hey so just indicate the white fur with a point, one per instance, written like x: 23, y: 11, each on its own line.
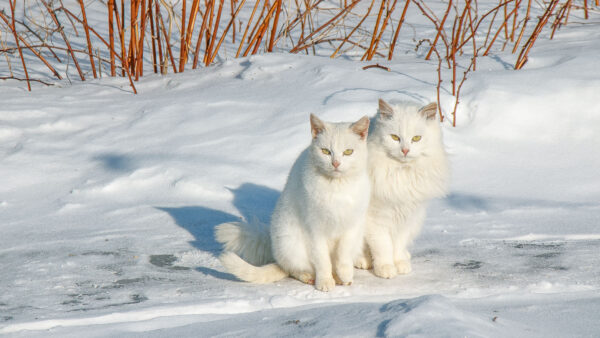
x: 319, y: 217
x: 264, y: 274
x: 401, y: 184
x: 249, y: 240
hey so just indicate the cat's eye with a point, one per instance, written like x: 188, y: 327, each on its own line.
x: 326, y: 151
x: 348, y: 152
x: 395, y: 137
x: 416, y: 138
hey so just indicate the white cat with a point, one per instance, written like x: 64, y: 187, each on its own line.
x: 317, y: 226
x: 407, y: 166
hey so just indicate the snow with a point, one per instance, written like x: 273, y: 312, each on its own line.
x: 108, y: 200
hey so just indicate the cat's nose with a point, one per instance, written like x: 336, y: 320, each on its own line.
x: 335, y: 163
x: 405, y: 151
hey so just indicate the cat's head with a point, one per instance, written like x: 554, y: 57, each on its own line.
x: 407, y: 131
x: 339, y: 149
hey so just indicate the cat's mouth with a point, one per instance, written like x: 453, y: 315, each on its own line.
x: 336, y: 173
x: 404, y: 159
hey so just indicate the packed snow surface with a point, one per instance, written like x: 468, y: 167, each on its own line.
x: 108, y: 200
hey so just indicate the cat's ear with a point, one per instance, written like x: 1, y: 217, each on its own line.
x: 429, y: 111
x: 361, y: 127
x: 385, y: 109
x: 316, y: 125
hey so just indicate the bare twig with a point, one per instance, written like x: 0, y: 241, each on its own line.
x: 274, y: 29
x: 64, y: 36
x: 14, y: 31
x: 185, y: 45
x: 376, y: 66
x: 522, y: 59
x: 28, y: 80
x: 18, y: 37
x: 209, y: 6
x: 439, y: 27
x: 393, y: 45
x: 209, y: 51
x: 246, y: 30
x: 225, y: 32
x: 342, y: 12
x: 87, y: 36
x: 353, y: 30
x: 111, y: 36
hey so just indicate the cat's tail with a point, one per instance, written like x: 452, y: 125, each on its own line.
x: 251, y: 241
x: 243, y: 270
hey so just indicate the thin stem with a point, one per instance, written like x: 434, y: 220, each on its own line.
x: 87, y: 37
x: 14, y: 31
x: 393, y: 45
x: 440, y: 29
x: 62, y: 33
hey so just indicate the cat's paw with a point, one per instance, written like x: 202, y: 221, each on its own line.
x: 306, y: 277
x: 385, y: 271
x: 344, y: 275
x: 325, y: 284
x: 338, y: 281
x: 363, y: 263
x: 403, y: 267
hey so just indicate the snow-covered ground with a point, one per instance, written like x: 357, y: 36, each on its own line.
x: 108, y: 200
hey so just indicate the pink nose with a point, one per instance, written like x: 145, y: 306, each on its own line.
x: 405, y: 151
x: 336, y: 163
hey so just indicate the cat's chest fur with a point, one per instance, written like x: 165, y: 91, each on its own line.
x: 341, y: 193
x: 402, y: 184
x: 336, y: 202
x: 320, y: 203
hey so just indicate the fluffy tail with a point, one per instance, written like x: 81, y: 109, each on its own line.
x: 250, y: 241
x: 255, y: 274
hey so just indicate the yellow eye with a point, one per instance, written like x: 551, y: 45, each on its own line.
x: 395, y: 137
x: 416, y: 138
x: 348, y: 152
x: 326, y: 151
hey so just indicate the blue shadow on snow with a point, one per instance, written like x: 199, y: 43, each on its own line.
x: 251, y: 200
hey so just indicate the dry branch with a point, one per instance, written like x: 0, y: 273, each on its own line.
x: 342, y: 12
x: 205, y: 19
x: 87, y: 36
x: 522, y: 59
x: 376, y: 66
x: 5, y: 19
x: 111, y: 35
x: 28, y: 80
x: 439, y: 27
x: 14, y: 31
x: 400, y: 22
x: 304, y: 23
x: 64, y: 36
x: 225, y: 32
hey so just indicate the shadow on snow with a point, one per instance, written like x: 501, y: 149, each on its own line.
x: 252, y: 202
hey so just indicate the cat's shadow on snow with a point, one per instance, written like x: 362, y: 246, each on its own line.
x: 251, y: 200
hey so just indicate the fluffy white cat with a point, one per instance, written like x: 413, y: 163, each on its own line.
x: 317, y: 225
x: 407, y: 167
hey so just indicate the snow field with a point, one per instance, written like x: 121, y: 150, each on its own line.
x: 108, y: 201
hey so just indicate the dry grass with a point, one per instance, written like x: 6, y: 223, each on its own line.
x: 167, y: 35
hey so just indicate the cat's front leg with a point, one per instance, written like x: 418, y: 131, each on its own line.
x: 346, y: 251
x: 382, y: 251
x: 404, y: 236
x: 321, y: 261
x: 402, y: 261
x: 364, y: 260
x: 401, y: 255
